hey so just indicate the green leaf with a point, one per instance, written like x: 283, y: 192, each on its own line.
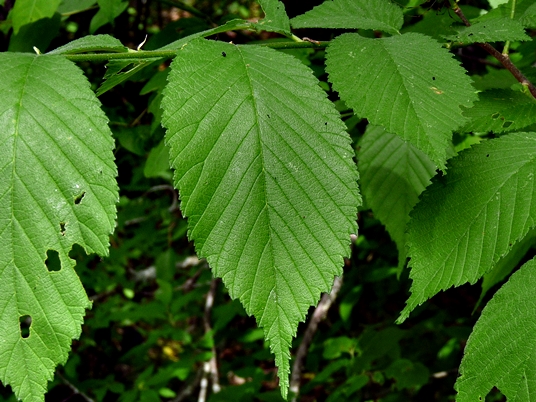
x: 407, y: 374
x: 506, y: 264
x: 393, y: 174
x: 275, y: 17
x: 57, y: 188
x: 109, y: 10
x: 265, y: 173
x: 501, y: 110
x: 500, y: 350
x: 119, y: 71
x: 91, y: 43
x: 495, y: 30
x: 489, y: 191
x: 408, y: 83
x: 157, y: 164
x: 27, y: 11
x: 381, y: 15
x: 37, y: 34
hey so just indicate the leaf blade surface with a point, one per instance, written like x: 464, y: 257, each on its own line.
x: 407, y: 83
x: 57, y: 188
x: 490, y: 190
x: 268, y: 186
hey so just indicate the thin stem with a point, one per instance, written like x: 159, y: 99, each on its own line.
x: 512, y: 14
x: 170, y: 54
x: 504, y: 59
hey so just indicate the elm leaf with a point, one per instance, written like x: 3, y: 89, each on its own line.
x: 57, y: 188
x: 500, y: 350
x: 381, y: 15
x: 489, y: 191
x: 266, y: 177
x: 407, y: 83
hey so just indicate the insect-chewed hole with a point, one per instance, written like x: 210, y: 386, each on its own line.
x: 53, y: 262
x: 62, y: 228
x: 507, y: 124
x: 25, y: 324
x: 79, y: 197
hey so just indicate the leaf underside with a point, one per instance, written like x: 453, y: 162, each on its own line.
x: 500, y: 351
x: 407, y: 83
x: 490, y: 190
x: 393, y: 174
x: 266, y: 177
x: 381, y: 15
x: 57, y: 188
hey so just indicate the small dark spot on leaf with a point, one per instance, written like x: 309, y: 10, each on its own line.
x: 224, y: 54
x: 79, y: 197
x: 326, y: 123
x: 487, y: 156
x: 53, y: 262
x: 62, y: 228
x: 25, y: 323
x: 470, y: 34
x: 507, y: 124
x: 495, y: 116
x: 433, y: 78
x: 268, y: 115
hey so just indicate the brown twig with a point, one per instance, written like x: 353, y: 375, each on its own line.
x: 73, y: 388
x: 503, y: 58
x: 320, y: 313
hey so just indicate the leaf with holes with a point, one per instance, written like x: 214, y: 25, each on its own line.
x: 490, y: 191
x: 407, y: 83
x: 57, y: 188
x: 496, y: 30
x: 393, y: 174
x: 501, y: 110
x: 381, y: 15
x: 500, y: 351
x: 266, y: 177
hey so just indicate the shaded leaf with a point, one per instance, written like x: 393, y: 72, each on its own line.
x: 381, y: 15
x: 500, y: 350
x: 495, y: 30
x: 501, y: 110
x: 408, y: 83
x: 57, y: 188
x: 266, y: 178
x: 490, y: 190
x: 109, y: 10
x: 393, y: 174
x: 27, y: 11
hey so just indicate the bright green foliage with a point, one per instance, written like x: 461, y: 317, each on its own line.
x: 266, y: 178
x: 381, y: 15
x: 393, y: 174
x: 500, y: 351
x: 91, y: 43
x: 57, y: 188
x: 407, y: 83
x: 276, y: 19
x: 489, y: 189
x: 27, y: 11
x: 500, y: 29
x: 501, y: 110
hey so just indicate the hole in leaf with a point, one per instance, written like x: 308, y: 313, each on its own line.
x: 79, y: 197
x: 25, y: 323
x: 507, y: 124
x: 53, y: 262
x: 495, y: 116
x: 433, y: 78
x: 62, y: 228
x: 223, y: 54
